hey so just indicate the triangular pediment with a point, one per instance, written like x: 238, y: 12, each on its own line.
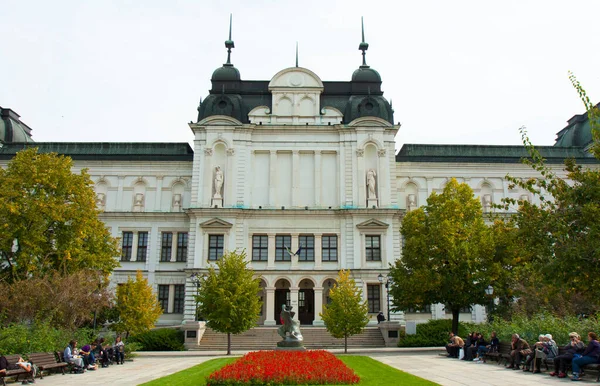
x: 216, y: 223
x: 372, y: 224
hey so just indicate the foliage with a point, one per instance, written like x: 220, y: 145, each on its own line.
x: 20, y: 338
x: 228, y: 296
x: 370, y: 371
x: 64, y: 301
x: 160, y: 339
x: 449, y: 254
x: 434, y: 333
x: 531, y: 327
x: 137, y: 305
x: 347, y: 314
x: 49, y: 219
x: 315, y: 367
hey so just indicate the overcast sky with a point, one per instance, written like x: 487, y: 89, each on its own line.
x: 457, y: 71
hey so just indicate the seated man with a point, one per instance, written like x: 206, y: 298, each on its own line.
x: 3, y: 365
x: 456, y: 343
x: 89, y: 359
x: 519, y: 350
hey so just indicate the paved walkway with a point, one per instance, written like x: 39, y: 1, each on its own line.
x: 425, y: 363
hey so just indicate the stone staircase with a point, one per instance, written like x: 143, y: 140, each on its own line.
x: 266, y: 338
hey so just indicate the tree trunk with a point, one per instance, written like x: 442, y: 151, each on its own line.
x: 455, y: 315
x: 345, y: 344
x: 228, y: 343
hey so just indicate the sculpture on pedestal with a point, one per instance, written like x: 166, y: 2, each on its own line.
x: 411, y: 202
x: 218, y: 183
x: 371, y: 184
x: 138, y: 202
x: 290, y: 329
x: 101, y: 201
x: 176, y: 202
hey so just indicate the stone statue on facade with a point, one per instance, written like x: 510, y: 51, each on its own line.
x: 101, y: 201
x: 218, y: 183
x: 411, y: 202
x: 487, y: 202
x: 290, y: 329
x: 371, y: 184
x: 138, y: 202
x: 176, y: 202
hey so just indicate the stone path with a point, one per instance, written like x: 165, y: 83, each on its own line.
x: 425, y: 363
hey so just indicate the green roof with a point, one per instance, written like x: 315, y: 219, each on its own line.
x: 488, y: 154
x: 122, y: 151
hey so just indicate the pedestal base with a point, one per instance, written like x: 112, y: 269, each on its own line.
x: 217, y: 202
x: 372, y: 203
x: 290, y: 348
x: 291, y: 343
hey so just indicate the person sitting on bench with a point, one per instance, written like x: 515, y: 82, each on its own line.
x: 70, y: 355
x: 519, y: 349
x: 589, y: 356
x: 575, y: 346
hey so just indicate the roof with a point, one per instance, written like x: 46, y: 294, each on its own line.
x: 11, y: 127
x: 578, y: 131
x: 488, y: 154
x: 118, y: 151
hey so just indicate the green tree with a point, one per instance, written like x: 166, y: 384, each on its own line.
x: 228, y: 296
x: 49, y: 221
x: 137, y: 306
x: 448, y: 255
x: 347, y: 314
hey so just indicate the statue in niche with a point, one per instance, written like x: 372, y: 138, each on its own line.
x: 218, y: 182
x: 411, y: 202
x: 176, y: 202
x: 371, y: 184
x: 524, y: 197
x: 138, y: 202
x: 101, y: 201
x: 487, y: 202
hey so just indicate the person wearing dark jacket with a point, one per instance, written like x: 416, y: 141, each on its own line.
x: 519, y: 349
x: 590, y: 355
x: 575, y: 346
x: 3, y: 365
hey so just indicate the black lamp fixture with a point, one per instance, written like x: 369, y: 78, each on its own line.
x: 387, y: 281
x: 489, y: 291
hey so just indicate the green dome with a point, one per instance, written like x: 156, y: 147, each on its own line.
x: 366, y: 74
x: 227, y: 73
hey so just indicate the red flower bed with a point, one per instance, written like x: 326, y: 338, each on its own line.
x: 315, y: 367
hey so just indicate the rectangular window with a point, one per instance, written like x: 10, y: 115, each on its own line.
x: 307, y: 243
x: 374, y: 297
x: 179, y: 299
x: 126, y: 246
x: 215, y: 246
x: 282, y: 244
x: 260, y: 248
x: 182, y: 246
x: 142, y: 247
x: 163, y: 297
x: 329, y: 250
x: 373, y: 248
x: 166, y: 246
x: 426, y: 309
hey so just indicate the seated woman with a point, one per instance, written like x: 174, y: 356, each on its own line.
x: 70, y: 355
x: 88, y: 357
x: 575, y: 346
x: 538, y: 346
x: 492, y: 347
x: 589, y: 356
x: 548, y: 350
x: 119, y: 348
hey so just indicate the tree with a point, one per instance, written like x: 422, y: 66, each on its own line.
x: 347, y: 314
x: 228, y: 296
x: 137, y: 306
x: 49, y: 221
x: 448, y: 255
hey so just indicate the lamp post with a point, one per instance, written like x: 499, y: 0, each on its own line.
x: 196, y: 278
x: 97, y: 296
x: 387, y: 281
x: 490, y: 291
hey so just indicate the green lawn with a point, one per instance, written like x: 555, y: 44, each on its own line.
x: 370, y: 371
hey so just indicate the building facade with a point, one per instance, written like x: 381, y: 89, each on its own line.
x: 299, y: 173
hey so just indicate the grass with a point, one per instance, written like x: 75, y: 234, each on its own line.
x: 370, y: 371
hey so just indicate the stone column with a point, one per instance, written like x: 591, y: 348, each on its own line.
x: 270, y: 306
x: 158, y: 197
x: 271, y: 251
x: 207, y: 182
x: 272, y: 178
x: 317, y: 178
x: 362, y: 179
x: 318, y: 306
x: 318, y: 250
x: 294, y: 248
x: 174, y: 247
x: 295, y: 178
x: 294, y: 300
x: 228, y: 194
x: 134, y: 247
x: 120, y: 206
x: 171, y: 301
x: 384, y: 177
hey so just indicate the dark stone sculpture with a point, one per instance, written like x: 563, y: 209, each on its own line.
x: 290, y: 330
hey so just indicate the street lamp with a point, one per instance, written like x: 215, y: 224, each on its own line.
x: 387, y: 280
x: 490, y: 291
x: 196, y: 278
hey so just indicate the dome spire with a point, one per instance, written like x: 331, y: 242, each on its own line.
x: 363, y: 46
x: 296, y: 54
x: 229, y: 44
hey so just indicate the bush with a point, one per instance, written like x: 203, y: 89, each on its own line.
x: 20, y: 338
x: 162, y: 339
x: 434, y: 333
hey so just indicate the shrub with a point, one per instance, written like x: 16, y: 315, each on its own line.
x: 20, y: 338
x: 434, y: 333
x: 162, y: 339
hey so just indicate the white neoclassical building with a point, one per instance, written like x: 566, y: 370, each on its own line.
x: 299, y: 173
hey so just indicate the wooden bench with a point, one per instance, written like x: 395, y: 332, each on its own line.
x: 46, y: 361
x: 502, y: 353
x: 12, y: 371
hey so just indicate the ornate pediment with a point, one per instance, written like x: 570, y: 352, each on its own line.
x: 372, y: 224
x: 216, y: 224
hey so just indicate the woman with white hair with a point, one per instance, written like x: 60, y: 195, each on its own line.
x: 575, y: 346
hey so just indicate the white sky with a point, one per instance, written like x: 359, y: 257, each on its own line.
x: 457, y: 71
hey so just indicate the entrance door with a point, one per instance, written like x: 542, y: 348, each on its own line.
x: 306, y: 306
x: 282, y: 296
